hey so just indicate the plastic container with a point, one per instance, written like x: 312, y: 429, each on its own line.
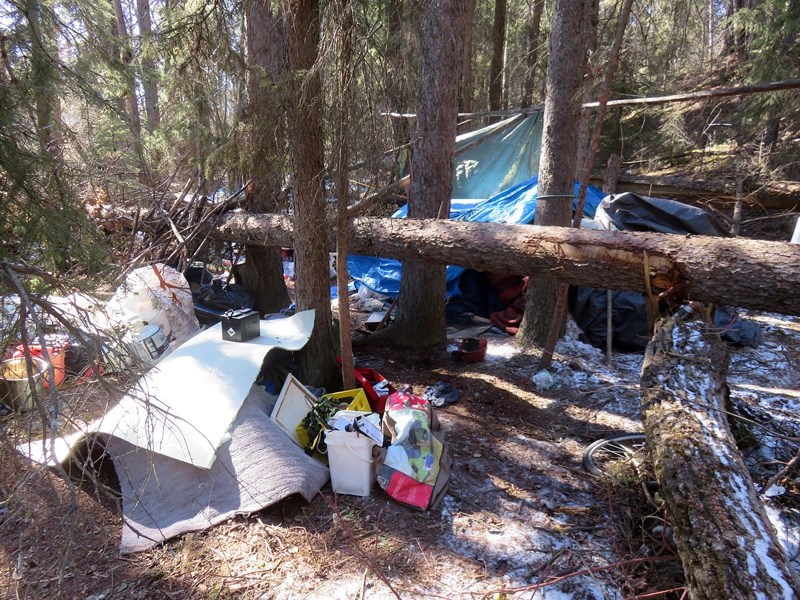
x: 350, y: 461
x: 356, y: 399
x: 56, y: 350
x: 150, y: 343
x: 16, y: 390
x: 375, y: 386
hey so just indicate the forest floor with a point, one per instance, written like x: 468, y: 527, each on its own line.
x: 520, y: 515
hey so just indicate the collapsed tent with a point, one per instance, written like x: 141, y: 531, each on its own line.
x: 193, y: 443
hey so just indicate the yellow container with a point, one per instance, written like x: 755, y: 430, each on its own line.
x: 357, y: 399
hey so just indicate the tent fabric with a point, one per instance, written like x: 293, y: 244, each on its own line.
x: 515, y: 205
x: 494, y: 158
x: 631, y: 212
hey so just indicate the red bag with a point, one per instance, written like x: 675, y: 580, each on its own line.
x: 415, y: 469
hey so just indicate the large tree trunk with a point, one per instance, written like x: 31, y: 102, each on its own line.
x: 748, y: 273
x: 562, y: 110
x: 725, y: 540
x: 420, y: 319
x: 532, y: 29
x: 498, y: 53
x: 467, y: 90
x: 312, y: 267
x: 263, y: 270
x: 586, y: 163
x: 342, y: 141
x: 149, y: 79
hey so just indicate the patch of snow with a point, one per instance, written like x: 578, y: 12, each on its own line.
x: 775, y: 490
x: 788, y: 533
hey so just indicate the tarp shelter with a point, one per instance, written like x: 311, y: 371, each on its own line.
x: 494, y: 181
x: 496, y: 158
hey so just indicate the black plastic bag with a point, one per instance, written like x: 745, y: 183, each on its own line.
x: 220, y: 296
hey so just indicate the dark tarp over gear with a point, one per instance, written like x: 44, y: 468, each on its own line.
x: 629, y: 212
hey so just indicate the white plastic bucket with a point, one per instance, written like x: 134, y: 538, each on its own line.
x: 350, y: 461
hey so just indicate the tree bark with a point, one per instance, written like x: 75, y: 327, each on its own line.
x: 262, y: 272
x: 312, y: 266
x: 420, y: 318
x: 754, y: 274
x: 559, y: 146
x: 149, y: 80
x: 467, y: 78
x: 498, y: 47
x: 532, y: 29
x: 342, y: 140
x: 724, y: 538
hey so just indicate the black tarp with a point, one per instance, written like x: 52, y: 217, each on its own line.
x: 630, y: 212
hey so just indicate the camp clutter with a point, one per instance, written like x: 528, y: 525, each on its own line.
x: 149, y: 315
x: 394, y: 439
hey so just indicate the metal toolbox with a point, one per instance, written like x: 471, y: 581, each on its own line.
x: 240, y: 325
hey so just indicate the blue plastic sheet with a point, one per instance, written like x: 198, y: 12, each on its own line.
x: 514, y: 205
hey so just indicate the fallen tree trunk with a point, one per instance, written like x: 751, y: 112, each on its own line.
x: 738, y: 272
x: 772, y: 195
x: 724, y: 538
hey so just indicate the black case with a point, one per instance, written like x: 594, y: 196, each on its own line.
x: 240, y: 325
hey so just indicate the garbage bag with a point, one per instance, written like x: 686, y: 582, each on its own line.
x: 221, y: 296
x: 628, y: 317
x: 157, y: 295
x: 734, y: 330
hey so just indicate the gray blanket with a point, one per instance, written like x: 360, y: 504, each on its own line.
x: 256, y: 467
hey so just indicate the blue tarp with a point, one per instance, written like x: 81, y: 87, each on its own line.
x: 496, y: 158
x: 514, y: 205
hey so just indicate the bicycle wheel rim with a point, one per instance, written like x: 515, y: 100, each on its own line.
x: 606, y: 451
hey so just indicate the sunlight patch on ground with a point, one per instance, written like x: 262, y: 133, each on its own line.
x: 502, y: 350
x: 793, y: 393
x: 506, y: 386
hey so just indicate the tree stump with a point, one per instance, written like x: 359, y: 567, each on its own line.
x: 724, y: 538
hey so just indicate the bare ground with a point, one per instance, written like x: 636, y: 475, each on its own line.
x: 520, y: 513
